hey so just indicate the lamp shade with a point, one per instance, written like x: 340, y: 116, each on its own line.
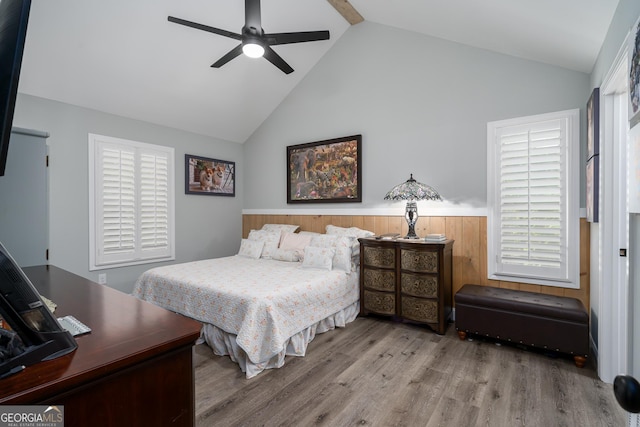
x: 412, y: 190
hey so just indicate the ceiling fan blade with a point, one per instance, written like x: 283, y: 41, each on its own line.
x: 299, y: 37
x: 252, y: 15
x: 228, y: 57
x: 202, y: 27
x: 271, y: 56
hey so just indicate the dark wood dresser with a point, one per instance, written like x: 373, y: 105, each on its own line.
x: 135, y: 368
x: 407, y: 279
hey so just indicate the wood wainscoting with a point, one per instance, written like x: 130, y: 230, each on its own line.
x: 469, y: 250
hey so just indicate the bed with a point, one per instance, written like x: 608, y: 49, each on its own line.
x: 268, y: 301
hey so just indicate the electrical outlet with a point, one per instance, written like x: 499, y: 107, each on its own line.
x: 102, y: 278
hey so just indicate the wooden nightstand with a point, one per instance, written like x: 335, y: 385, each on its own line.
x: 407, y: 279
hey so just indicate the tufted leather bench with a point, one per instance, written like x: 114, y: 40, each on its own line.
x: 538, y: 320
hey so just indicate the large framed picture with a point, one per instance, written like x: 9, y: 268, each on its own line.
x: 593, y: 124
x: 634, y: 75
x: 211, y: 177
x: 327, y: 171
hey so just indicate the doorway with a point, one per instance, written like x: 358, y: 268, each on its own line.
x: 618, y: 254
x: 24, y: 218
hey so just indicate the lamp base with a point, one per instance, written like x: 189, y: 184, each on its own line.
x: 411, y: 215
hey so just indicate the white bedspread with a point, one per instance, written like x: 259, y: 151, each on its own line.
x: 263, y: 302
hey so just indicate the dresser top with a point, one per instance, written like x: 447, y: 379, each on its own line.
x: 403, y: 241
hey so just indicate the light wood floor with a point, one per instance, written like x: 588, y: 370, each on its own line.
x: 381, y: 373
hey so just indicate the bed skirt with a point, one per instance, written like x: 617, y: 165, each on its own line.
x: 224, y: 344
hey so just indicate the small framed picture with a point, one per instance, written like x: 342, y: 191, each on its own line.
x: 209, y: 177
x: 327, y: 171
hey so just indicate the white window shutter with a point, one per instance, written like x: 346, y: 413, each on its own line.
x: 131, y: 202
x: 154, y: 202
x: 533, y: 221
x: 117, y: 222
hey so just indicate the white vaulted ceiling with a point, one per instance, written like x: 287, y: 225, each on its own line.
x: 123, y: 56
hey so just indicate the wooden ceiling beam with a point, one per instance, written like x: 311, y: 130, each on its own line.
x: 347, y: 11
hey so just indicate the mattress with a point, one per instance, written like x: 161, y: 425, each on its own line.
x: 261, y: 302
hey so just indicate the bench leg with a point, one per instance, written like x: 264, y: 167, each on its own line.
x: 462, y: 335
x: 579, y: 361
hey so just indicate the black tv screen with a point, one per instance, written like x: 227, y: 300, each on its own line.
x: 14, y: 15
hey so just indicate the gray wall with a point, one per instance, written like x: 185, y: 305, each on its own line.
x: 422, y: 105
x: 206, y: 226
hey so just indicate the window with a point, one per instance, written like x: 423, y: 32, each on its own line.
x: 131, y: 196
x: 533, y: 189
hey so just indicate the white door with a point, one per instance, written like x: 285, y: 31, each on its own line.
x: 24, y: 218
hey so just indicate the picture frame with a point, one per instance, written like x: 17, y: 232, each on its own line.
x: 593, y: 124
x: 634, y: 75
x: 209, y: 177
x: 328, y: 171
x: 593, y: 188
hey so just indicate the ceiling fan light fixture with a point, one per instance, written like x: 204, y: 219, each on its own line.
x: 253, y: 49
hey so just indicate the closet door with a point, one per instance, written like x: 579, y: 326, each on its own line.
x: 24, y: 212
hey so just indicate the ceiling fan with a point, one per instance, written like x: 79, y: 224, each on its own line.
x: 253, y: 40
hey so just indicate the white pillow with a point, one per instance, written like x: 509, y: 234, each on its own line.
x: 315, y: 257
x: 342, y: 246
x: 355, y: 232
x: 324, y: 240
x: 284, y: 228
x: 271, y: 240
x: 309, y: 233
x: 343, y: 259
x: 285, y: 255
x: 250, y: 248
x: 295, y: 242
x: 351, y: 231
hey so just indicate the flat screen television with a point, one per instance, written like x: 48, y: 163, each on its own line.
x: 14, y: 15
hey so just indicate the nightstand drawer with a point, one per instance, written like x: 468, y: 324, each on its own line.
x: 419, y: 261
x: 380, y: 257
x: 380, y: 302
x: 381, y: 280
x: 419, y: 285
x: 421, y: 310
